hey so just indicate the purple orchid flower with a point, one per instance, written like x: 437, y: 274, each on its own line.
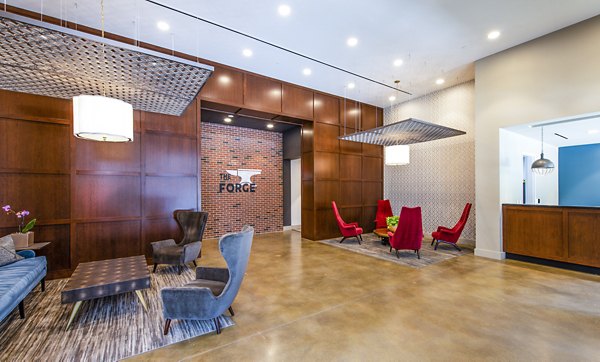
x: 24, y: 213
x: 6, y: 208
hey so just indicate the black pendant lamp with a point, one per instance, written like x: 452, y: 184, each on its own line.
x: 542, y: 166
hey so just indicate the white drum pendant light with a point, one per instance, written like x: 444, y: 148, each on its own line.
x: 101, y: 118
x: 397, y: 155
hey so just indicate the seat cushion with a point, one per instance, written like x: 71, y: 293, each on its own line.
x: 169, y: 255
x: 17, y: 280
x: 215, y: 286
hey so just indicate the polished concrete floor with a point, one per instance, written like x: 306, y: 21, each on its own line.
x: 302, y: 300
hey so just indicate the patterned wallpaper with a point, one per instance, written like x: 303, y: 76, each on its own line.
x: 441, y: 175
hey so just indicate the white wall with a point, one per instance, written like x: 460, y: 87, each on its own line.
x: 296, y: 200
x: 441, y: 175
x: 550, y: 77
x: 512, y: 148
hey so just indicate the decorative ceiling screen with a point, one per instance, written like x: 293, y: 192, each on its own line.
x: 404, y: 132
x: 49, y: 60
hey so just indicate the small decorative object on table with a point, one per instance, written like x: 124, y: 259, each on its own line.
x: 24, y: 237
x: 392, y: 221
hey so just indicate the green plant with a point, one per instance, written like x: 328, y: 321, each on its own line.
x: 23, y: 228
x: 392, y: 220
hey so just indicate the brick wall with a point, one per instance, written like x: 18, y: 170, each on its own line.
x: 231, y: 148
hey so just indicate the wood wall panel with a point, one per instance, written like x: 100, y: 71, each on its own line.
x: 326, y: 137
x: 350, y: 193
x: 29, y: 145
x: 371, y: 192
x: 325, y: 225
x: 350, y: 167
x: 327, y: 109
x: 159, y: 229
x: 372, y: 169
x: 225, y: 85
x: 327, y: 165
x: 325, y: 192
x: 369, y: 117
x: 349, y: 114
x: 185, y: 124
x: 368, y: 218
x: 45, y: 196
x: 372, y: 150
x: 170, y: 154
x: 24, y: 106
x: 349, y: 146
x: 297, y: 102
x: 308, y: 197
x: 308, y: 224
x: 584, y: 237
x: 101, y: 196
x: 307, y: 137
x: 308, y: 165
x: 351, y: 214
x: 106, y: 240
x: 262, y: 93
x: 107, y: 156
x: 166, y: 194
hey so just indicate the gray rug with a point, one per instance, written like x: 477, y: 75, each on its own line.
x: 106, y: 329
x: 371, y: 246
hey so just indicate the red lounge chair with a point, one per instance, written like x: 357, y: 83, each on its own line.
x: 409, y: 232
x: 348, y: 230
x: 384, y: 210
x: 450, y: 236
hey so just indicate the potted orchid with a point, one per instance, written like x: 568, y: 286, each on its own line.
x: 24, y: 237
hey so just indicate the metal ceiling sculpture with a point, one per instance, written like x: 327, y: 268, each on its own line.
x: 50, y: 60
x: 404, y: 132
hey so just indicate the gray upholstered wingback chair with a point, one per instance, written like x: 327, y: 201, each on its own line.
x: 214, y: 289
x: 192, y: 223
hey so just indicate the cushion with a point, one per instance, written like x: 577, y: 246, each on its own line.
x: 215, y: 286
x: 7, y: 251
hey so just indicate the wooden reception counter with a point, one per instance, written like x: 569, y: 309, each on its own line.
x: 562, y: 233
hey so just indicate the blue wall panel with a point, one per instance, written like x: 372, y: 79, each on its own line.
x: 579, y: 175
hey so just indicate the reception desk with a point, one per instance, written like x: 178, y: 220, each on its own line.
x: 561, y: 233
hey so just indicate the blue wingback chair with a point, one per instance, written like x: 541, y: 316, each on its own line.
x: 214, y: 289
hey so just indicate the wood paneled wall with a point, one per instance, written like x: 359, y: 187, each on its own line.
x: 95, y: 200
x: 567, y: 234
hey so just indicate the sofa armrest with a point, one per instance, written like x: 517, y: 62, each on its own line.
x: 187, y: 303
x: 26, y: 253
x: 219, y: 274
x: 163, y: 243
x: 191, y: 251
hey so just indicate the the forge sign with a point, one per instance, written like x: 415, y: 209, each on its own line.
x: 245, y: 184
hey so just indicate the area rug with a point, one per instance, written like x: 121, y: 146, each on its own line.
x: 106, y: 329
x: 372, y: 246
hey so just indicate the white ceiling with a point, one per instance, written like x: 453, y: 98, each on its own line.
x: 435, y: 38
x: 580, y: 130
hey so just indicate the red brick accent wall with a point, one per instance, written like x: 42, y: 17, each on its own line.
x: 231, y: 148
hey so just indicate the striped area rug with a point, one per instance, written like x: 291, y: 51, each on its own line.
x: 106, y: 329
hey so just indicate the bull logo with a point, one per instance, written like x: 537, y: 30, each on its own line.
x: 245, y: 174
x: 245, y: 184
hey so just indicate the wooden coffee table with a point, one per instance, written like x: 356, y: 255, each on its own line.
x: 104, y: 278
x: 383, y: 234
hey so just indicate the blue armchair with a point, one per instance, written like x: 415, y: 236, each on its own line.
x: 214, y: 289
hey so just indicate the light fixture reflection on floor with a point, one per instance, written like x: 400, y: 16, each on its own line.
x: 542, y: 166
x: 397, y: 155
x: 101, y: 118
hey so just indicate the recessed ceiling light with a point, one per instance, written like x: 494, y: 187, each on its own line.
x: 227, y: 120
x: 306, y: 71
x: 440, y: 81
x: 351, y: 85
x: 352, y: 41
x: 230, y: 116
x: 224, y: 79
x: 392, y: 98
x: 270, y: 125
x: 247, y: 52
x: 593, y: 131
x: 163, y: 25
x: 493, y: 35
x: 284, y: 10
x: 398, y: 62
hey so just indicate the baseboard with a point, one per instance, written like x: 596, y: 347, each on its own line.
x: 490, y: 254
x: 287, y: 228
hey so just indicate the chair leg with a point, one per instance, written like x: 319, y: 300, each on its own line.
x: 231, y: 311
x: 43, y: 284
x: 179, y: 269
x: 358, y: 239
x: 390, y: 248
x: 457, y: 248
x: 167, y: 325
x: 217, y: 325
x: 194, y: 261
x: 437, y: 242
x: 432, y: 241
x: 344, y: 238
x: 22, y: 310
x: 418, y: 254
x: 397, y: 254
x: 154, y: 270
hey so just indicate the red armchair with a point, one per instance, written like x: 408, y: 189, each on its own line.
x: 384, y: 210
x: 409, y: 232
x: 348, y: 230
x: 450, y: 236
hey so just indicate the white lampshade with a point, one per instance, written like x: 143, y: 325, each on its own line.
x: 102, y: 119
x: 397, y: 155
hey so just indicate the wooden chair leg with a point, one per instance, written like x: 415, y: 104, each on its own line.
x: 43, y: 284
x: 437, y: 242
x: 195, y: 263
x: 179, y: 269
x: 390, y: 248
x: 22, y: 310
x: 167, y: 325
x: 344, y: 238
x: 432, y: 241
x: 154, y: 270
x: 397, y: 254
x: 231, y: 311
x: 457, y: 248
x: 217, y: 325
x: 358, y: 239
x: 418, y: 254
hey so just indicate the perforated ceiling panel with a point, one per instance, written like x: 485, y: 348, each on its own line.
x: 48, y: 60
x: 405, y: 132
